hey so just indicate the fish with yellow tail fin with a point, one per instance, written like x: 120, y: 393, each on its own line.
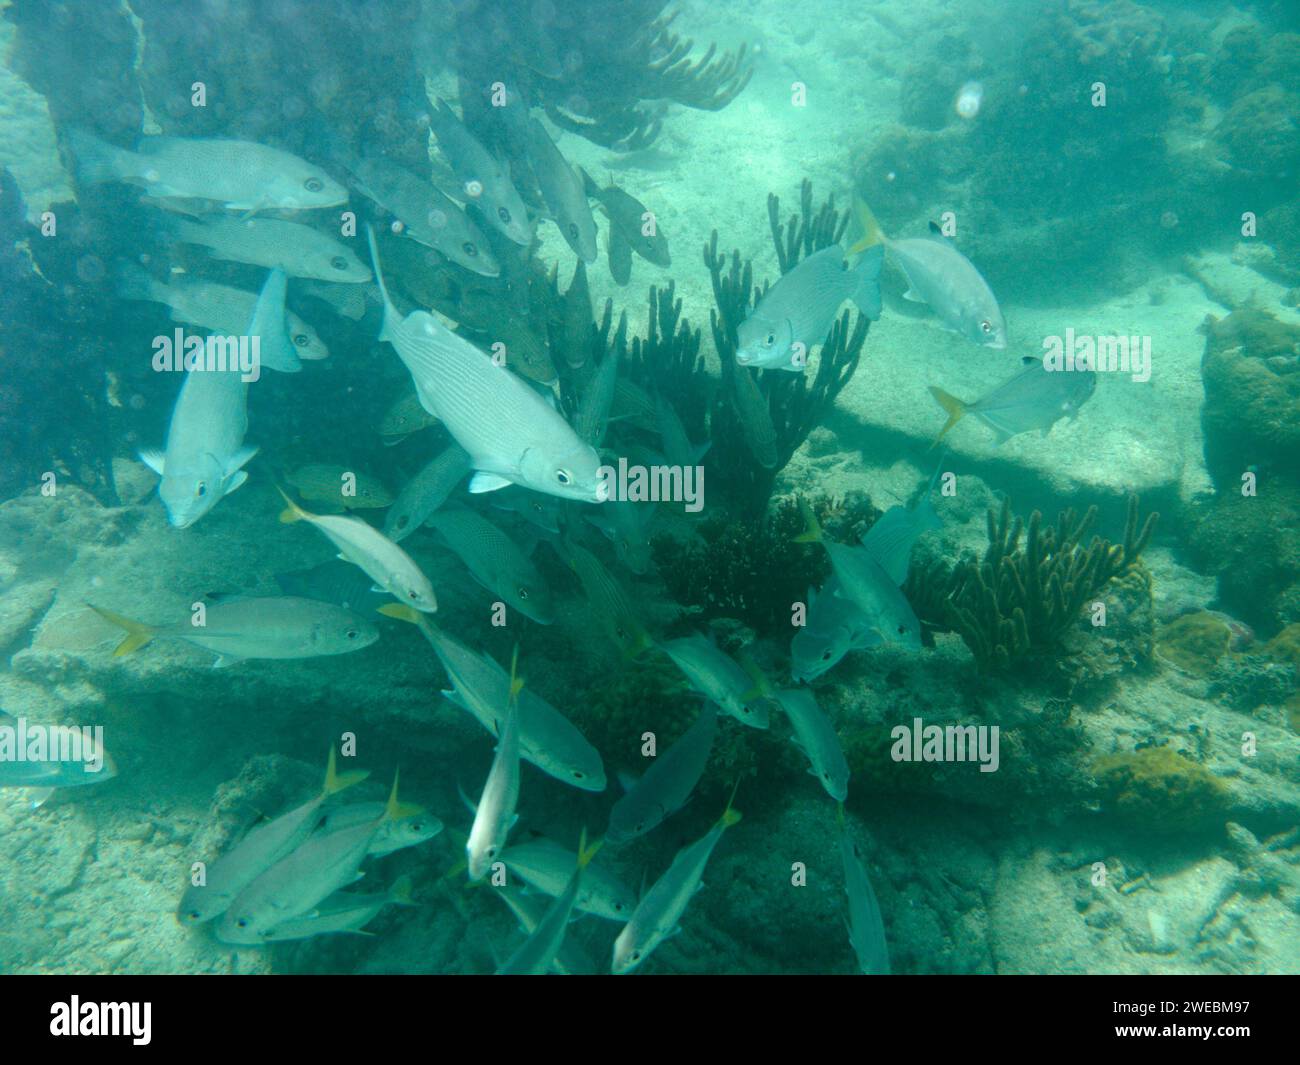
x: 260, y: 849
x: 1035, y: 398
x: 537, y: 954
x: 273, y: 627
x: 495, y: 816
x: 940, y: 276
x: 862, y: 579
x: 391, y: 568
x: 296, y: 884
x: 661, y: 908
x: 480, y: 686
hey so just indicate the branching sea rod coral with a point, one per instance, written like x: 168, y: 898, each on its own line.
x: 786, y: 406
x: 1020, y: 598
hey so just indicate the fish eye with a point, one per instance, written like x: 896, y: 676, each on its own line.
x: 412, y: 594
x: 194, y: 915
x: 826, y: 654
x: 469, y: 249
x: 578, y: 775
x: 201, y: 489
x: 771, y: 339
x: 339, y: 263
x: 563, y: 476
x: 537, y: 507
x: 352, y: 634
x: 503, y: 214
x: 402, y: 521
x: 522, y: 593
x: 902, y: 629
x: 313, y: 184
x: 573, y: 231
x: 301, y: 340
x: 986, y: 327
x: 242, y: 922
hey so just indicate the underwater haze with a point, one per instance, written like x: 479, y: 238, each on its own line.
x: 565, y: 486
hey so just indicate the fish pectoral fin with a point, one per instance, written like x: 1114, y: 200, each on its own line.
x: 226, y: 660
x: 233, y: 481
x: 36, y: 797
x: 154, y: 459
x: 482, y: 481
x: 912, y: 296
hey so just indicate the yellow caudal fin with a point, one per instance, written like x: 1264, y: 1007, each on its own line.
x: 955, y: 408
x: 400, y: 893
x: 585, y: 852
x: 401, y: 612
x: 336, y: 781
x: 395, y: 810
x: 292, y: 512
x: 730, y: 815
x: 812, y: 531
x: 871, y: 231
x: 516, y: 681
x: 762, y: 688
x: 137, y: 632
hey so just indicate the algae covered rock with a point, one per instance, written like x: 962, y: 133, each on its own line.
x: 1251, y: 416
x: 1195, y: 642
x: 1161, y: 789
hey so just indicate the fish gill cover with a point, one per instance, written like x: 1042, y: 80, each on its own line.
x: 540, y: 399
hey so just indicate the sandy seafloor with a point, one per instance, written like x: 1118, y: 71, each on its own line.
x: 977, y: 879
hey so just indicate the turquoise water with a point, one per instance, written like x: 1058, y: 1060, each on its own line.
x: 853, y: 468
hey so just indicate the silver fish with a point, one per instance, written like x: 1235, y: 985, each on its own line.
x: 495, y: 816
x: 274, y: 627
x: 363, y: 545
x: 535, y: 508
x: 223, y: 310
x: 483, y: 179
x: 427, y: 215
x: 260, y: 849
x: 627, y: 525
x: 349, y: 300
x: 538, y: 952
x: 592, y: 418
x: 832, y: 628
x: 546, y: 738
x: 495, y: 562
x: 563, y: 191
x: 294, y: 885
x: 512, y: 434
x: 755, y: 418
x: 426, y: 492
x: 547, y: 866
x: 941, y: 277
x: 392, y: 835
x: 529, y: 910
x: 866, y: 927
x: 1035, y: 398
x: 660, y: 908
x: 713, y: 673
x: 797, y: 312
x: 236, y: 175
x: 206, y: 453
x: 863, y: 580
x: 815, y: 736
x: 43, y: 769
x: 298, y: 250
x: 678, y: 448
x: 666, y: 786
x: 343, y: 911
x: 608, y: 602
